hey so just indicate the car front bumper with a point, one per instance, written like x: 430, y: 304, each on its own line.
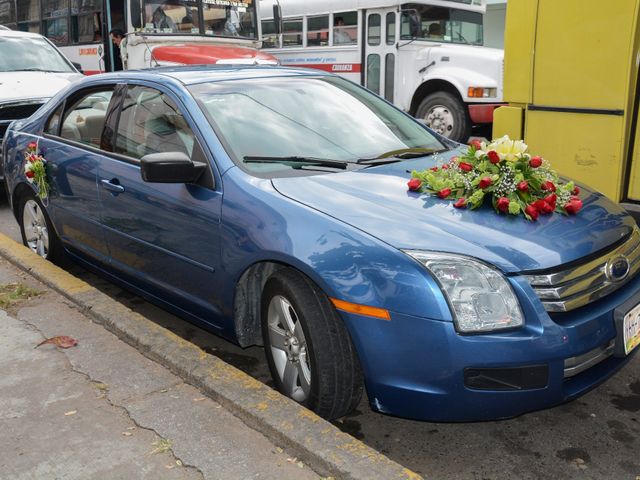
x: 423, y: 369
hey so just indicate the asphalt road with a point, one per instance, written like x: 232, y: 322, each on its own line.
x: 594, y: 437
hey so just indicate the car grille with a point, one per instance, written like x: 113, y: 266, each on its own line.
x: 570, y: 288
x: 15, y: 111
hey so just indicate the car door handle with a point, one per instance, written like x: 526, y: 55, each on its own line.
x: 112, y: 185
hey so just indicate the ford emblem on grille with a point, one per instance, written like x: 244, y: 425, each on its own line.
x: 617, y: 269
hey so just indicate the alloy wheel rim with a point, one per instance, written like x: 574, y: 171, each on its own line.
x: 440, y: 119
x: 35, y: 228
x: 289, y: 349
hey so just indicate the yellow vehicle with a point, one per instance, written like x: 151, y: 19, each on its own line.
x: 571, y: 81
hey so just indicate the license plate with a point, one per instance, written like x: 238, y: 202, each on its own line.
x: 631, y: 329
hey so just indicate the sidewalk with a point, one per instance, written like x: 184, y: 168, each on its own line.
x: 103, y: 410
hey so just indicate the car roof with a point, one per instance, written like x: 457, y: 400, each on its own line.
x: 191, y: 75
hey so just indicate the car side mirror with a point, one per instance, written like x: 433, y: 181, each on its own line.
x: 170, y: 167
x: 77, y: 67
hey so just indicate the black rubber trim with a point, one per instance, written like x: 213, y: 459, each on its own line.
x: 588, y: 111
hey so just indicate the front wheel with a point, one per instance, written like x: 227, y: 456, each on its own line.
x: 36, y: 229
x: 445, y: 114
x: 308, y: 348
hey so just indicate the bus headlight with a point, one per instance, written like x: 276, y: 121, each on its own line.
x: 482, y: 92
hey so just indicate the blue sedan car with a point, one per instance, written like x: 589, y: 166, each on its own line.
x: 270, y: 206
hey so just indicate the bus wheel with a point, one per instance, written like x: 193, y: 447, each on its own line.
x: 446, y: 115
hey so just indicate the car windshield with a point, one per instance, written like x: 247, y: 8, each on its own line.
x: 30, y: 54
x: 307, y: 117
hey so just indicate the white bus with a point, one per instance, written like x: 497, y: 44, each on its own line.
x: 157, y: 32
x: 427, y: 57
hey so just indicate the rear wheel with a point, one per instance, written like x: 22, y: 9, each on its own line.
x: 310, y: 354
x: 444, y: 113
x: 36, y: 229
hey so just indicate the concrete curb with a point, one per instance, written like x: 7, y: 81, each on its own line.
x: 325, y: 448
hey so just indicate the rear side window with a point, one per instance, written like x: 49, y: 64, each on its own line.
x: 150, y: 122
x: 84, y: 119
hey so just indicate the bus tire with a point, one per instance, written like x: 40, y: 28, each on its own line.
x: 445, y: 114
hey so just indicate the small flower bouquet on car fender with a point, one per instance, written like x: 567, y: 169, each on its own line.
x: 35, y: 169
x: 502, y: 171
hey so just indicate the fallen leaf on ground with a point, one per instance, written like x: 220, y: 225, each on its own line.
x: 101, y: 386
x: 162, y: 446
x: 199, y: 399
x: 127, y: 434
x: 62, y: 341
x: 179, y: 463
x: 72, y: 412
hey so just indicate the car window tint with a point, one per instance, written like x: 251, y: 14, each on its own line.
x: 84, y: 119
x: 150, y: 122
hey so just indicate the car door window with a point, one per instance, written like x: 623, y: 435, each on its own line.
x: 150, y: 122
x: 84, y: 119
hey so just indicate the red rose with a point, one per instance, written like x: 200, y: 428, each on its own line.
x: 548, y: 186
x: 532, y: 212
x: 460, y: 203
x: 535, y: 162
x: 503, y: 204
x: 573, y: 206
x: 543, y: 207
x: 434, y: 169
x: 32, y: 146
x: 414, y: 184
x: 523, y: 186
x: 465, y: 167
x: 552, y: 198
x: 29, y: 174
x: 475, y: 144
x: 493, y: 157
x: 576, y: 190
x: 485, y: 182
x: 444, y: 193
x: 445, y: 167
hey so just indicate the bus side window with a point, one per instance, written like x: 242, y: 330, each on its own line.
x: 269, y: 36
x: 292, y: 32
x: 318, y: 31
x: 345, y: 28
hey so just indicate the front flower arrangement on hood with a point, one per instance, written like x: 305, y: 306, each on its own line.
x: 35, y: 169
x: 504, y: 172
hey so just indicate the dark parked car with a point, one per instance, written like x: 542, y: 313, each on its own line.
x: 270, y: 206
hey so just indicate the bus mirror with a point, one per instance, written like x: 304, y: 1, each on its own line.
x: 277, y: 18
x: 136, y: 14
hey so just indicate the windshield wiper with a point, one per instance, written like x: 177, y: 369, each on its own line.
x: 325, y: 162
x: 399, y: 155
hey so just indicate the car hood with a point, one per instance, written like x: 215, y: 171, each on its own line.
x: 376, y: 201
x: 16, y: 86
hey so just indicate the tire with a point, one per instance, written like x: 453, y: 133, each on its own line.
x: 312, y: 360
x: 447, y: 115
x: 37, y: 231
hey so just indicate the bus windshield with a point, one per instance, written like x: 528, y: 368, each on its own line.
x: 441, y: 24
x: 226, y: 18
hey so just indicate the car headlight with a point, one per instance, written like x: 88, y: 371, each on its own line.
x: 480, y: 297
